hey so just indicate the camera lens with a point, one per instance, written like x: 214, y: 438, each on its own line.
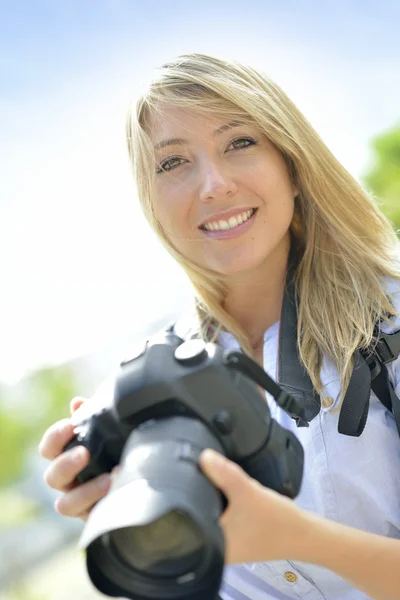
x: 169, y: 546
x: 155, y: 535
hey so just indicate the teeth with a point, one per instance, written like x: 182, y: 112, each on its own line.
x: 231, y: 223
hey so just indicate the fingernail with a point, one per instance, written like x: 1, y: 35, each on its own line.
x: 104, y: 481
x: 212, y: 458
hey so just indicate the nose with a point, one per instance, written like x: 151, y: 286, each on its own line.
x: 215, y: 182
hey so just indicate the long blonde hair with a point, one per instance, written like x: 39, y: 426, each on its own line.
x: 346, y: 246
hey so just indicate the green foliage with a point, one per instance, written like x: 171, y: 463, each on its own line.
x: 384, y: 177
x: 46, y: 396
x: 51, y: 390
x: 13, y: 437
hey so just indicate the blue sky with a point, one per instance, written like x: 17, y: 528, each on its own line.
x: 78, y: 265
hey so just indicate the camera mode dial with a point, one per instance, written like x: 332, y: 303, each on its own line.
x: 192, y: 352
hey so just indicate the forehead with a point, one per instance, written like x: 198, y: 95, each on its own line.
x: 182, y: 123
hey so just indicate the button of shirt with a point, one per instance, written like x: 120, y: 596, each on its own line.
x: 327, y: 402
x: 290, y: 576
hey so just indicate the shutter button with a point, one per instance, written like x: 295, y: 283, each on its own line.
x: 192, y: 352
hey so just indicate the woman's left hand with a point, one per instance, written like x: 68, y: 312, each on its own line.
x: 258, y: 523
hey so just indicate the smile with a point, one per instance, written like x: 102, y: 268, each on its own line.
x: 231, y: 223
x: 230, y: 228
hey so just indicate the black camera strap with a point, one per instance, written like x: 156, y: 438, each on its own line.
x: 292, y: 376
x: 369, y: 371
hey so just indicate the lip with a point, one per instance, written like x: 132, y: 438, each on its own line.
x: 224, y: 215
x: 225, y: 234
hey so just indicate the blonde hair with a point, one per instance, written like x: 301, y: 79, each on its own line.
x: 345, y: 244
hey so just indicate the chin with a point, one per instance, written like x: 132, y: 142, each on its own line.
x: 239, y: 264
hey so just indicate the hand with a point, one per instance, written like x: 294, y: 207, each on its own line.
x: 77, y: 499
x: 258, y: 523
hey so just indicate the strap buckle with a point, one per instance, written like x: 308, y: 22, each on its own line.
x: 243, y: 363
x: 386, y: 350
x: 388, y: 347
x: 374, y: 363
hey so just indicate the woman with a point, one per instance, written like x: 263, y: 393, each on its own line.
x: 232, y: 177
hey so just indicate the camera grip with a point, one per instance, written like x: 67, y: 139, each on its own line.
x: 278, y: 470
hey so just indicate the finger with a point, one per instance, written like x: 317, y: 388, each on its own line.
x: 224, y: 473
x: 63, y: 470
x: 114, y: 471
x: 55, y: 438
x: 85, y: 515
x: 79, y: 501
x: 76, y: 403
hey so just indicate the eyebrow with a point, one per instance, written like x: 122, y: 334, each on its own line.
x: 181, y: 141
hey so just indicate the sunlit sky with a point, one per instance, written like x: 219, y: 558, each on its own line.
x: 78, y: 265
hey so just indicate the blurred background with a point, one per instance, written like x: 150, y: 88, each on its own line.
x: 82, y: 276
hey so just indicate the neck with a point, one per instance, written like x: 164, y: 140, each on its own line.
x: 254, y: 298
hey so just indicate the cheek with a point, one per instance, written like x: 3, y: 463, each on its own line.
x: 283, y: 207
x: 279, y: 204
x: 173, y: 214
x: 172, y: 208
x: 166, y: 211
x: 276, y: 188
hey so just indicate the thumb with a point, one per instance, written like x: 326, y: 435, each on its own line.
x: 222, y: 472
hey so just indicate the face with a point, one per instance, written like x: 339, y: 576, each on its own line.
x: 223, y: 193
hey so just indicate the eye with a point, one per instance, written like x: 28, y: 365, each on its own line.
x: 169, y: 163
x: 174, y: 161
x: 242, y: 142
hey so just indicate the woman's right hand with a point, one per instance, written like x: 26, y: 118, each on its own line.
x: 77, y: 499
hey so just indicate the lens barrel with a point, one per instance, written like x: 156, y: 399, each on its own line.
x: 156, y: 534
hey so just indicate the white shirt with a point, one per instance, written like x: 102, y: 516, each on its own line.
x: 351, y: 480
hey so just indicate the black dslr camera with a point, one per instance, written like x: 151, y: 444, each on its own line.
x: 155, y: 535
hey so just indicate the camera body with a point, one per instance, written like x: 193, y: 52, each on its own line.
x: 169, y: 377
x: 155, y: 535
